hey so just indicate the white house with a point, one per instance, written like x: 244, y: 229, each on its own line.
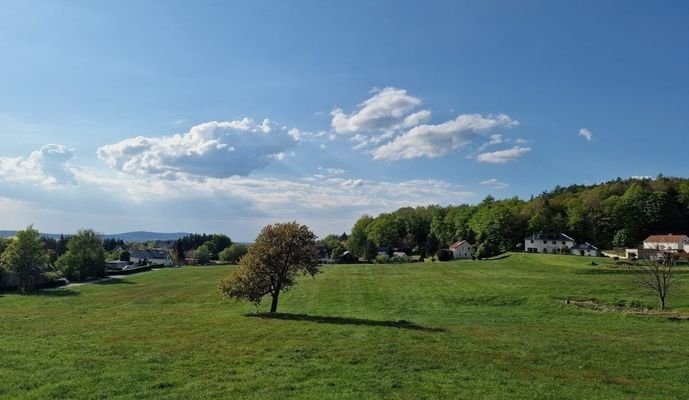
x: 584, y: 249
x: 553, y: 243
x: 155, y: 257
x: 462, y: 249
x: 672, y: 243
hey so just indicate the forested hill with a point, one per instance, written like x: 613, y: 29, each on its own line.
x: 615, y: 213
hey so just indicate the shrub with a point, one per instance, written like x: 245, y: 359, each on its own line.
x: 382, y: 259
x: 444, y: 255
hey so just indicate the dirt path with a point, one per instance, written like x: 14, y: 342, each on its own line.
x: 109, y: 278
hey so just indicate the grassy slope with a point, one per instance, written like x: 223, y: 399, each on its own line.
x: 497, y: 332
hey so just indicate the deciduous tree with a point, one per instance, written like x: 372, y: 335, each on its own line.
x: 658, y: 277
x: 85, y: 256
x: 279, y: 255
x: 24, y: 258
x: 233, y: 253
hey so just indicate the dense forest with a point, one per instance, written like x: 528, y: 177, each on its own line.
x: 618, y: 213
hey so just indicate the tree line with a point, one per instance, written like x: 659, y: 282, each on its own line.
x: 29, y: 260
x: 205, y: 248
x: 618, y: 213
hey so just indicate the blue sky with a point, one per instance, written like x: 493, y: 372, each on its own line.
x: 225, y: 116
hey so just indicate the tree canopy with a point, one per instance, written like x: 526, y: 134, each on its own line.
x: 615, y: 213
x: 24, y: 258
x: 85, y: 256
x: 280, y: 254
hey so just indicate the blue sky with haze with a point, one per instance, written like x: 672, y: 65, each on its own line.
x: 225, y: 116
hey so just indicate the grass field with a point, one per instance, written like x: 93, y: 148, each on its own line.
x: 490, y: 329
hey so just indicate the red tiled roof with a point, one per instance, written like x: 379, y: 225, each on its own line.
x: 457, y: 244
x: 665, y: 238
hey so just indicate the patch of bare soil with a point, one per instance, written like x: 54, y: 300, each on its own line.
x: 635, y: 311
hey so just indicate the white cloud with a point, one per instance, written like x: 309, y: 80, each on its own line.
x: 439, y: 140
x: 332, y: 171
x: 329, y: 204
x: 212, y: 149
x: 387, y: 108
x: 47, y: 166
x: 494, y: 183
x: 494, y: 139
x: 586, y: 133
x: 353, y: 183
x: 389, y: 127
x: 503, y: 156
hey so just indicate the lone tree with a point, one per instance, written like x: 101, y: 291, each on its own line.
x: 25, y: 258
x: 658, y: 276
x: 280, y: 253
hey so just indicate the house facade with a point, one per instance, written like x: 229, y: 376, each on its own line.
x: 462, y: 249
x: 584, y: 249
x: 154, y: 256
x: 548, y: 243
x: 671, y: 243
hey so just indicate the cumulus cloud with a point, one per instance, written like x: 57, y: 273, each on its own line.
x: 586, y: 134
x: 387, y: 108
x: 212, y: 149
x: 390, y: 126
x: 493, y: 140
x: 47, y: 165
x: 438, y: 140
x: 494, y: 183
x: 503, y: 156
x: 141, y: 201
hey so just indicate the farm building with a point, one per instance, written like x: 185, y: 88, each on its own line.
x: 585, y: 249
x: 462, y: 249
x: 552, y: 243
x: 154, y: 256
x: 672, y: 243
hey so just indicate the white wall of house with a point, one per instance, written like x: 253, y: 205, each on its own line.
x: 586, y: 253
x: 682, y: 244
x: 167, y: 261
x: 546, y: 246
x: 464, y: 250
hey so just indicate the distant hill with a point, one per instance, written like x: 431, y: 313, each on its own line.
x: 144, y: 236
x: 138, y: 236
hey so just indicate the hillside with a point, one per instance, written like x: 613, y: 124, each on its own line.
x: 619, y: 213
x: 489, y: 329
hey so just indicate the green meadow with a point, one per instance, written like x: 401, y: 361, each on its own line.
x: 492, y: 329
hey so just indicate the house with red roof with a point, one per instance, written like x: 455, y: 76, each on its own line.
x: 462, y: 249
x: 671, y: 243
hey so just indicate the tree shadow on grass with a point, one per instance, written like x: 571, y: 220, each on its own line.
x: 56, y: 292
x: 113, y: 281
x: 320, y: 319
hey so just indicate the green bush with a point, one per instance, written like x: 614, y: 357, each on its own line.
x: 444, y: 255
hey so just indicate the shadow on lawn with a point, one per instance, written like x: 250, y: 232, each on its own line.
x: 401, y: 324
x: 49, y: 293
x: 113, y: 281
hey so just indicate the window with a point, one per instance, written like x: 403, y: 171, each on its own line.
x: 531, y: 240
x: 554, y: 242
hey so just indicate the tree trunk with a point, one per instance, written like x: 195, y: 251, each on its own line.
x: 274, y: 304
x: 662, y: 303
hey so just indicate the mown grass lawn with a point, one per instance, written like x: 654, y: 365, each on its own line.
x: 489, y: 329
